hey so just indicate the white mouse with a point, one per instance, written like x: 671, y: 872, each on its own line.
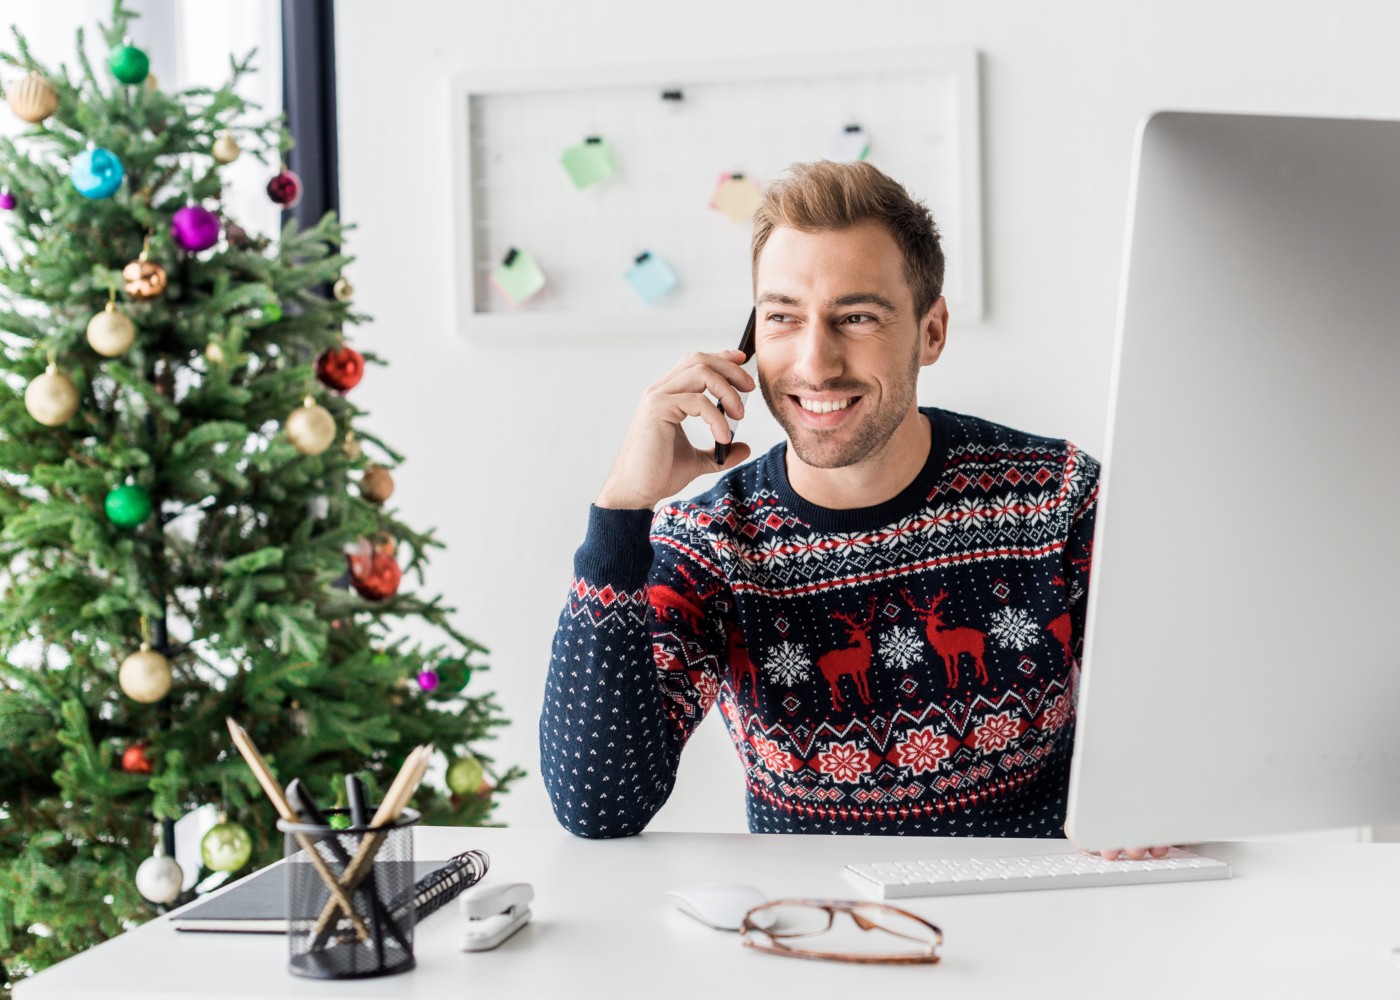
x: 720, y: 906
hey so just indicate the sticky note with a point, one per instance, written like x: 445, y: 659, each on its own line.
x: 651, y: 277
x: 851, y: 143
x: 589, y: 162
x: 736, y: 196
x: 518, y: 276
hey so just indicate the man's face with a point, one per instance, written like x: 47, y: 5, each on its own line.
x: 838, y: 345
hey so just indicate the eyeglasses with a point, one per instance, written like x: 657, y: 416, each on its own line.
x: 902, y: 938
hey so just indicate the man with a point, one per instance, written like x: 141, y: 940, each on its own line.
x: 889, y: 608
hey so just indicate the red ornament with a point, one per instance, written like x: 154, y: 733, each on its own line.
x: 341, y: 370
x: 285, y: 189
x: 134, y: 759
x: 374, y: 573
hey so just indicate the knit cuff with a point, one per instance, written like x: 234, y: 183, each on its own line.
x: 617, y: 548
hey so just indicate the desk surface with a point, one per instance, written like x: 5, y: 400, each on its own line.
x: 1297, y: 920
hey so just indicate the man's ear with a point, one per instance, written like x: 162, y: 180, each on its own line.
x: 933, y: 332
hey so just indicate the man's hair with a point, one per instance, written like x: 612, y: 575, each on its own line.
x: 826, y: 195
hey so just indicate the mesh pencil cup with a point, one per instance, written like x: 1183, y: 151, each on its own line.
x: 350, y: 908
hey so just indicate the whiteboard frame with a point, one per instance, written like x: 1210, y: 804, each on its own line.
x: 962, y: 63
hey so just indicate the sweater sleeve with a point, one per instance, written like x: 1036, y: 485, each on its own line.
x: 634, y: 669
x: 1079, y: 546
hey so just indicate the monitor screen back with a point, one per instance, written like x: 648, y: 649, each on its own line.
x: 1242, y: 652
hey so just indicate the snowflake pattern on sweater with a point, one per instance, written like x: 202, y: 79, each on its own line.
x: 908, y: 668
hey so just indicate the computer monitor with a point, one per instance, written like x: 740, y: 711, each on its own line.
x: 1242, y: 657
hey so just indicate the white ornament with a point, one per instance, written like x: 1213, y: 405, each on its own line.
x: 159, y: 879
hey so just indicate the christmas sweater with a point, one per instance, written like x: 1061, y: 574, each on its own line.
x: 907, y: 668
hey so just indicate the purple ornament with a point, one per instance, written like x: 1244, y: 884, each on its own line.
x: 7, y: 200
x: 428, y: 680
x: 195, y: 228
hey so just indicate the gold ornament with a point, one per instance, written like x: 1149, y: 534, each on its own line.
x: 33, y: 98
x: 111, y: 333
x: 342, y: 290
x: 226, y: 149
x: 214, y: 353
x: 310, y: 428
x: 145, y: 279
x: 350, y: 447
x: 145, y: 676
x: 377, y: 485
x: 152, y: 85
x: 52, y: 398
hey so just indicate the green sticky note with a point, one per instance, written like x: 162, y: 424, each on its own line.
x: 588, y: 163
x: 518, y: 276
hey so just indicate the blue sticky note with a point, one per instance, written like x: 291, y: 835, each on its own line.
x: 651, y: 277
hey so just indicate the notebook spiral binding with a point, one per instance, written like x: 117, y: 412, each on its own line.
x: 436, y: 889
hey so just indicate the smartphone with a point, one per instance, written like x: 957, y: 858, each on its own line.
x: 745, y: 345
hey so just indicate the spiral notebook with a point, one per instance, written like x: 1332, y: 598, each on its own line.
x: 258, y: 903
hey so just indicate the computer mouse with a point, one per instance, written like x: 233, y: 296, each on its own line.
x: 719, y: 906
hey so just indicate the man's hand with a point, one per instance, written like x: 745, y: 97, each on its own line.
x: 657, y: 459
x: 1133, y: 853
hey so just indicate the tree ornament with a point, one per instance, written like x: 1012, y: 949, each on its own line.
x: 159, y: 879
x: 214, y: 353
x: 52, y: 398
x: 454, y: 675
x: 135, y: 760
x: 376, y: 485
x: 350, y: 447
x: 226, y: 148
x: 145, y: 279
x: 96, y: 173
x: 310, y: 427
x: 194, y: 228
x: 33, y: 98
x: 340, y: 369
x: 128, y: 63
x: 237, y: 237
x: 285, y: 188
x: 145, y: 676
x: 152, y: 84
x: 465, y: 775
x: 342, y: 289
x: 227, y: 846
x: 7, y: 200
x: 111, y: 332
x: 374, y: 573
x: 427, y: 680
x: 270, y: 311
x: 128, y: 506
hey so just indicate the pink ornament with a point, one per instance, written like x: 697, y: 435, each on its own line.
x: 285, y: 189
x: 195, y: 228
x: 428, y: 680
x: 7, y: 200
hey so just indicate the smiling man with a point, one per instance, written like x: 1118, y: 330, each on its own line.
x: 889, y: 607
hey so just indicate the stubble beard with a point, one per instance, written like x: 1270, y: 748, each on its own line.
x: 843, y: 446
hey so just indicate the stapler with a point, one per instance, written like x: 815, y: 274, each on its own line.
x: 494, y: 913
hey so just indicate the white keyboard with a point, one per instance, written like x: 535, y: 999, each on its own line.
x: 956, y: 876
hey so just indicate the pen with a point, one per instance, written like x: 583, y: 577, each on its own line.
x: 746, y: 344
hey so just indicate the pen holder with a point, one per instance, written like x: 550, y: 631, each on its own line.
x: 350, y: 907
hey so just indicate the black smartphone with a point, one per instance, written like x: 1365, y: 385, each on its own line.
x: 745, y: 345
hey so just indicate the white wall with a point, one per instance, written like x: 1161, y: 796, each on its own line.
x: 507, y: 444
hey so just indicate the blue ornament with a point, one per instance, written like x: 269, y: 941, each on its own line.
x: 97, y: 173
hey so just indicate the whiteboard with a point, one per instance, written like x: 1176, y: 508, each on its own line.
x: 919, y: 109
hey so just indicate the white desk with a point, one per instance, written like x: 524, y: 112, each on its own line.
x: 1297, y: 920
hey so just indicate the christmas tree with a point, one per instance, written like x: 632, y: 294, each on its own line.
x: 192, y: 522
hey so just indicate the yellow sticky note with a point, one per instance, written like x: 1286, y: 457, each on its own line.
x: 736, y: 196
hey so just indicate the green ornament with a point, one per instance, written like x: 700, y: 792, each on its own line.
x: 226, y: 847
x: 465, y: 775
x: 129, y: 64
x: 453, y: 675
x: 271, y: 311
x: 339, y: 821
x: 128, y: 506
